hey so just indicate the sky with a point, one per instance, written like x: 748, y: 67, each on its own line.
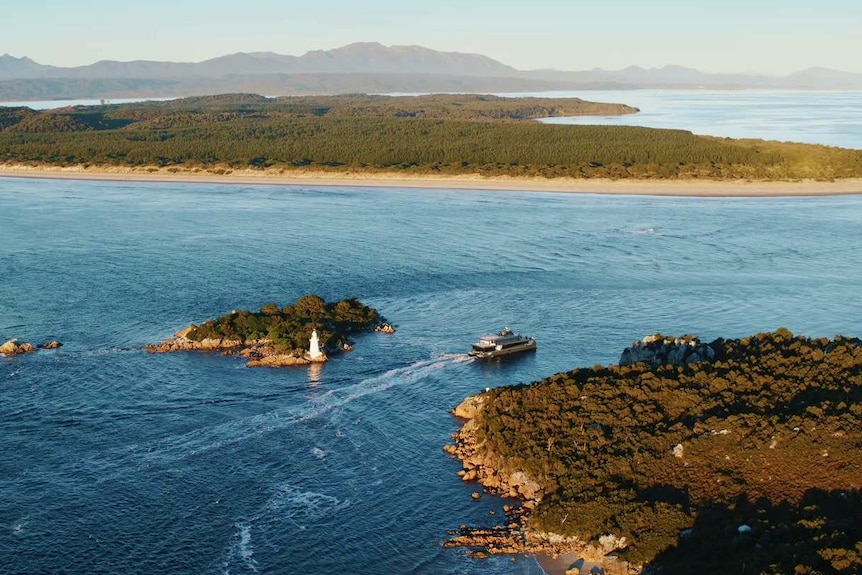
x: 756, y: 36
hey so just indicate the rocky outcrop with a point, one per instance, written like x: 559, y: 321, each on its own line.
x: 12, y: 347
x: 180, y: 342
x: 660, y: 350
x: 484, y: 466
x: 262, y: 354
x: 53, y: 344
x: 514, y: 537
x: 384, y: 328
x: 259, y: 353
x: 470, y: 407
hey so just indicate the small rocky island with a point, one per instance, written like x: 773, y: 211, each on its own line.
x: 297, y: 334
x: 12, y: 347
x: 731, y: 456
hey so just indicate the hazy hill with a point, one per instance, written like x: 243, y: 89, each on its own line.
x: 268, y: 84
x: 362, y: 67
x: 366, y: 57
x: 681, y: 77
x: 12, y: 67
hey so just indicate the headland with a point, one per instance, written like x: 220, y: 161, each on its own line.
x: 687, y: 457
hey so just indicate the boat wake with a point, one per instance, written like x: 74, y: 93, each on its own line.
x: 241, y: 551
x: 301, y: 508
x: 168, y: 451
x: 288, y: 507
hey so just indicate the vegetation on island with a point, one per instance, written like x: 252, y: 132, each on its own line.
x: 439, y: 134
x: 747, y: 463
x: 289, y: 328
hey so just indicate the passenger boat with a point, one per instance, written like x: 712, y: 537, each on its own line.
x: 502, y: 343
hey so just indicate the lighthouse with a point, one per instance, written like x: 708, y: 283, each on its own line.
x: 314, y: 347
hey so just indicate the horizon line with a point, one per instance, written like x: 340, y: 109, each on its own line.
x: 254, y: 53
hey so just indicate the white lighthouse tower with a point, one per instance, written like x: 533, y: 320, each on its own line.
x: 314, y: 347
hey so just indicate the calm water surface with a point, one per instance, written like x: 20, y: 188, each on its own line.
x: 51, y: 104
x: 830, y: 118
x: 116, y: 461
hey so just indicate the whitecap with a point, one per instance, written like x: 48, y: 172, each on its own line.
x: 301, y: 507
x: 318, y: 453
x: 168, y: 451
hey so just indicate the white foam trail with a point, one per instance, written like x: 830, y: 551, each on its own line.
x: 169, y: 450
x: 301, y: 507
x: 242, y: 549
x: 288, y: 503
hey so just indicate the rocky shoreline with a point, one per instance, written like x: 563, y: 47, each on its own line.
x: 635, y: 459
x: 258, y: 352
x: 498, y: 478
x: 515, y: 536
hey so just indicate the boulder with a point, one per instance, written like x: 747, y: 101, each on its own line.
x: 318, y: 359
x: 53, y: 344
x: 661, y: 350
x: 184, y: 333
x: 11, y: 347
x: 523, y: 486
x: 281, y: 360
x: 470, y: 407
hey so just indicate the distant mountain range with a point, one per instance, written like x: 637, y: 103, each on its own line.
x: 361, y: 67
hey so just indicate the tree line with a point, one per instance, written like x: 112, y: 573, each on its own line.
x: 453, y: 134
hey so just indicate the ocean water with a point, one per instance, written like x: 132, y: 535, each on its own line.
x: 52, y: 104
x: 830, y: 118
x: 116, y: 461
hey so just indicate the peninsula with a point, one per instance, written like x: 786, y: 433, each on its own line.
x: 687, y: 457
x: 278, y: 337
x: 484, y: 138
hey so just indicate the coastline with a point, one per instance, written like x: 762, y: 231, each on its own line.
x: 556, y: 554
x: 686, y: 187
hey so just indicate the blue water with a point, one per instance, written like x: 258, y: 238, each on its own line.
x: 52, y: 104
x: 116, y: 461
x: 830, y: 118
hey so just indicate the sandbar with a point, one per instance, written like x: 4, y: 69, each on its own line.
x: 677, y: 187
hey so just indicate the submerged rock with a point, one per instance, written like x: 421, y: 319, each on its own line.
x: 53, y: 344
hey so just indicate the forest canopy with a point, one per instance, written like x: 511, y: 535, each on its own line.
x: 290, y: 326
x: 439, y: 134
x: 751, y: 461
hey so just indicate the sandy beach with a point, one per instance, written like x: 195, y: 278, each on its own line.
x: 691, y: 187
